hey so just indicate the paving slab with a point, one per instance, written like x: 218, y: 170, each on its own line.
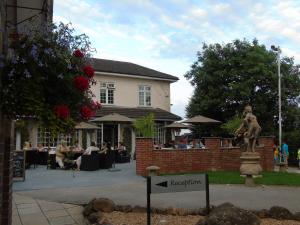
x: 64, y: 220
x: 41, y: 212
x: 56, y: 213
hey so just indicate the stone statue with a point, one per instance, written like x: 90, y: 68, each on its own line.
x: 248, y: 130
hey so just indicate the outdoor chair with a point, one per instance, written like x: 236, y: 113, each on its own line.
x: 122, y: 158
x: 106, y: 160
x: 90, y: 162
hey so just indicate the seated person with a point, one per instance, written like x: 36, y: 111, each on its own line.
x: 199, y: 144
x: 77, y: 147
x: 61, y: 150
x: 27, y: 146
x: 170, y: 144
x: 41, y: 148
x: 182, y: 145
x: 121, y: 149
x: 104, y: 148
x: 88, y: 151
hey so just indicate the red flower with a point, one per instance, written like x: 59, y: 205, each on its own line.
x: 81, y: 83
x: 89, y: 71
x: 86, y: 112
x: 62, y: 111
x: 78, y: 53
x: 96, y: 105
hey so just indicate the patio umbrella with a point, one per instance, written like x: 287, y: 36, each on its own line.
x: 178, y: 126
x: 113, y: 117
x: 86, y: 126
x: 175, y: 126
x: 201, y: 119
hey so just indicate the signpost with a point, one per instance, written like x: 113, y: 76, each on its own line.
x: 184, y: 183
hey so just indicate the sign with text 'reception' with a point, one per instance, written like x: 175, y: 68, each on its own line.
x: 184, y: 183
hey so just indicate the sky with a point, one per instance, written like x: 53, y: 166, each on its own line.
x: 165, y: 35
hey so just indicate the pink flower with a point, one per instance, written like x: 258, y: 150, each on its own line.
x: 81, y: 83
x: 62, y: 111
x: 78, y: 53
x: 86, y: 112
x: 89, y: 71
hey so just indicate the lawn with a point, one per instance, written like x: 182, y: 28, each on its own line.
x: 268, y: 178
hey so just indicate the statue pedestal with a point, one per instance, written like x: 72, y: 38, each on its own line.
x: 250, y: 166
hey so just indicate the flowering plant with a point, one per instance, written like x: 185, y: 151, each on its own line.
x: 49, y: 78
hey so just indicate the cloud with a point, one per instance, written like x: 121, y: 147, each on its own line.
x: 221, y: 8
x: 165, y: 35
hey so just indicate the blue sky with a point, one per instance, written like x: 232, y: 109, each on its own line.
x: 166, y: 34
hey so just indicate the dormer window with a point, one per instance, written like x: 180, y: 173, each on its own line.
x: 107, y: 91
x: 144, y: 95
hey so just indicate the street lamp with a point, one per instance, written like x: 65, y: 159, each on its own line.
x: 278, y: 51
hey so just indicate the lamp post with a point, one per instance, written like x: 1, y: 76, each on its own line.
x: 278, y: 51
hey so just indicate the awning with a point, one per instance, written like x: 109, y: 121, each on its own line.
x: 201, y: 119
x: 113, y: 117
x: 86, y: 126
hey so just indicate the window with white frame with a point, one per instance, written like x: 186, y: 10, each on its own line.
x: 107, y: 91
x: 45, y: 138
x: 144, y: 95
x: 160, y: 133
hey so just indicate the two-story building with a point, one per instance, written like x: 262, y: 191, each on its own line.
x: 132, y: 91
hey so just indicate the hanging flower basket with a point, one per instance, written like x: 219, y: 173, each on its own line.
x: 48, y: 78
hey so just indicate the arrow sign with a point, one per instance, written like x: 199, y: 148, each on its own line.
x: 165, y: 184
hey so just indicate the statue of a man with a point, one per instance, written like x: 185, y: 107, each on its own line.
x: 249, y: 129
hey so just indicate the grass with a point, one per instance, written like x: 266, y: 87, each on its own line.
x: 268, y: 178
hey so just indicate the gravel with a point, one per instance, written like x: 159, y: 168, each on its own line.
x: 120, y: 218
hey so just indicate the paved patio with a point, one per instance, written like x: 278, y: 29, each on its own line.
x: 125, y: 187
x: 29, y: 211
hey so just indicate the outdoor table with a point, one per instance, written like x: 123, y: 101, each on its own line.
x: 31, y: 158
x: 42, y: 157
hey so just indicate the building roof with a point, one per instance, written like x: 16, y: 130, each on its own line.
x: 127, y: 68
x: 86, y: 126
x: 134, y: 113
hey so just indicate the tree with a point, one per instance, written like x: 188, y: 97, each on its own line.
x: 229, y: 76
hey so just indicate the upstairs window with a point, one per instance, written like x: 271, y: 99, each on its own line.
x: 144, y: 95
x: 107, y: 92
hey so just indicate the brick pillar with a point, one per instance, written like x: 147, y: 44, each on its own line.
x: 267, y: 152
x: 144, y: 149
x: 6, y: 164
x: 214, y: 144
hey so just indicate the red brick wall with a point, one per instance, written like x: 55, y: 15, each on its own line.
x: 6, y: 145
x: 214, y: 157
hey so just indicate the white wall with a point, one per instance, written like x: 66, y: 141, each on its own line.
x: 126, y: 91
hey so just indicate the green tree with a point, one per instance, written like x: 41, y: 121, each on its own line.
x: 229, y: 76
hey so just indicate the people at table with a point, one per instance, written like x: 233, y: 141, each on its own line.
x: 41, y: 148
x: 104, y: 148
x: 78, y: 147
x: 61, y: 150
x: 121, y: 149
x: 88, y: 151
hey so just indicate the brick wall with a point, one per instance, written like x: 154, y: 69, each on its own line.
x: 6, y: 144
x: 214, y: 157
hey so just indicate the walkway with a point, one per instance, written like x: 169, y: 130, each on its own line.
x: 125, y: 187
x: 28, y: 211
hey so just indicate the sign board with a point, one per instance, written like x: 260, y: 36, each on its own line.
x: 184, y: 183
x: 19, y: 165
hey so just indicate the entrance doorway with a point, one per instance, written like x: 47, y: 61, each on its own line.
x: 110, y: 134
